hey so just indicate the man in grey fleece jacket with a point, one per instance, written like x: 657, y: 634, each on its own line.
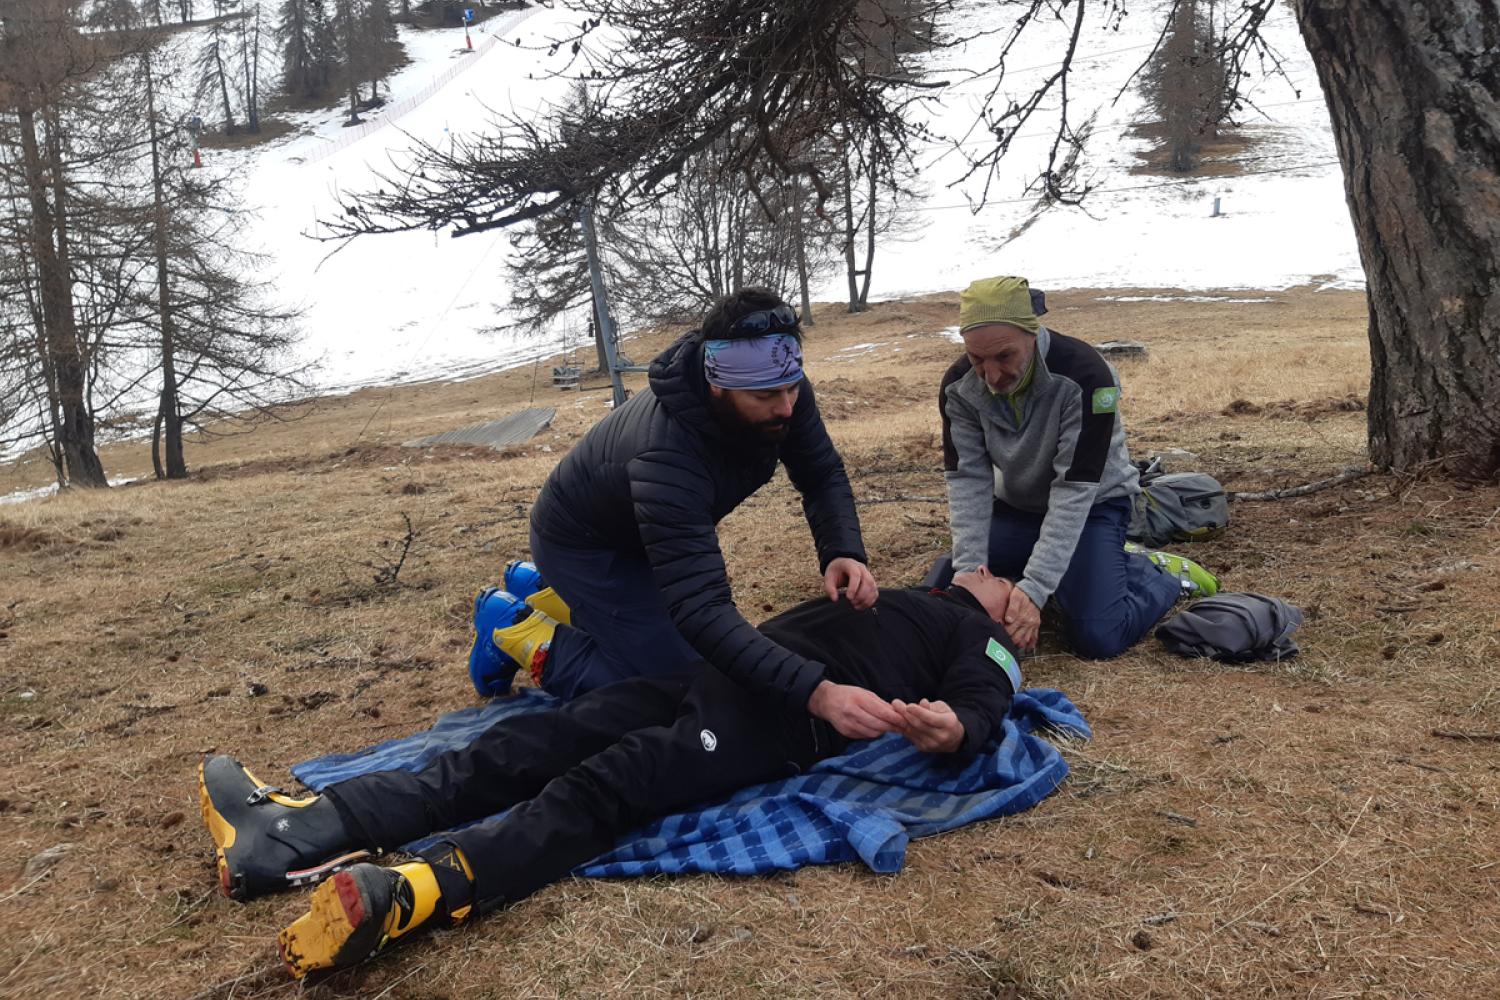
x: 1039, y: 480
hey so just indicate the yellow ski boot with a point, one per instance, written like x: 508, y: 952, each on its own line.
x: 264, y: 839
x: 528, y: 642
x: 550, y: 603
x: 364, y: 909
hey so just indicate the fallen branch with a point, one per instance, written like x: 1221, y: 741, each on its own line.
x: 1349, y: 475
x: 389, y: 574
x: 1419, y: 765
x: 1453, y: 734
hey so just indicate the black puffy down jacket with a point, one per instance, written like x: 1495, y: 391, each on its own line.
x: 655, y: 477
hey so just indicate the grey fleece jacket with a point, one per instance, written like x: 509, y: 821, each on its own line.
x: 1065, y: 454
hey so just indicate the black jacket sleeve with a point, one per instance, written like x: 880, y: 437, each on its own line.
x: 955, y: 371
x: 975, y: 684
x: 672, y: 496
x: 816, y: 470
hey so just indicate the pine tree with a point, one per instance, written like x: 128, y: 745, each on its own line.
x: 43, y: 59
x: 380, y: 43
x: 213, y: 62
x: 349, y: 38
x: 252, y: 44
x: 324, y: 47
x: 294, y: 35
x: 1185, y: 84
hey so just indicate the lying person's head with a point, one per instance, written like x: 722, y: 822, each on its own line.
x: 991, y: 591
x: 752, y: 361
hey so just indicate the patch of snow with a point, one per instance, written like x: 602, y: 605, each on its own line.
x: 24, y: 496
x: 420, y: 306
x: 854, y: 351
x: 1179, y: 298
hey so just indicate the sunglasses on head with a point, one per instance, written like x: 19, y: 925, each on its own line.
x: 782, y: 319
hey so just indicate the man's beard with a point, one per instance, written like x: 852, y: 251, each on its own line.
x: 1006, y: 387
x: 758, y: 432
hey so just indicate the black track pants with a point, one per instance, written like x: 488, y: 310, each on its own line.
x: 583, y: 774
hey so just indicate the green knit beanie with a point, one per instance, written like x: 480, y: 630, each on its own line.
x: 997, y: 300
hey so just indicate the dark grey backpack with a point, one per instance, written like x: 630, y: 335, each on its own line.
x: 1234, y: 627
x: 1177, y: 507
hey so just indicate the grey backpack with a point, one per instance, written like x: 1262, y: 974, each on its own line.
x: 1234, y: 627
x: 1177, y: 507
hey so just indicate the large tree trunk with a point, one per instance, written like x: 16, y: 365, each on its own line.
x: 74, y: 431
x: 250, y: 56
x: 871, y: 215
x: 1415, y: 100
x: 851, y: 269
x: 31, y: 293
x: 170, y: 410
x: 84, y: 466
x: 223, y: 80
x: 800, y: 247
x: 351, y: 49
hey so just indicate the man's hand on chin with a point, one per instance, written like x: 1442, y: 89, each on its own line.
x: 855, y: 579
x: 1023, y: 620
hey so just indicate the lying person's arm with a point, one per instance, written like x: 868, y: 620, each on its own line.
x: 974, y: 694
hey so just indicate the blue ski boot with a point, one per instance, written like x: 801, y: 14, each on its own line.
x: 489, y: 668
x: 522, y: 578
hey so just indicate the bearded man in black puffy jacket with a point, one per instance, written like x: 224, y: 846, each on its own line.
x: 625, y: 527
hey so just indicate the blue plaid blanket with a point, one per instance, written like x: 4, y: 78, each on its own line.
x: 866, y: 804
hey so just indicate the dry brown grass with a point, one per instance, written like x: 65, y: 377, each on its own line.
x: 1288, y: 829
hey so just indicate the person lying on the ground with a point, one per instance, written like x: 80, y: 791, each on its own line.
x: 624, y: 529
x: 933, y: 666
x: 1040, y: 483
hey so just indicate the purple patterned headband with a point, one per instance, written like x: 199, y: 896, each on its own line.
x: 768, y: 362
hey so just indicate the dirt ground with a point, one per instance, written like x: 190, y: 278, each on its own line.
x: 1324, y: 827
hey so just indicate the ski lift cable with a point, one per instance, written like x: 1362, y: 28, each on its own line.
x: 1170, y: 182
x: 1119, y: 126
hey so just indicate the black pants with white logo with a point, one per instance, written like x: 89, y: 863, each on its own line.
x: 581, y: 775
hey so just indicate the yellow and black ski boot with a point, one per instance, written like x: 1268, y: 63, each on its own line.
x: 364, y: 909
x: 550, y: 603
x: 264, y: 840
x: 528, y: 641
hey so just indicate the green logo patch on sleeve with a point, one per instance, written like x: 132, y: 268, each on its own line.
x: 1107, y: 399
x: 1006, y: 662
